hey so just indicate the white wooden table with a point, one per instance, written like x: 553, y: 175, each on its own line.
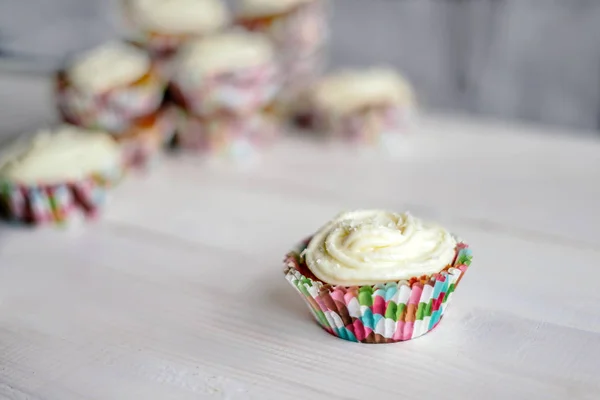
x: 178, y: 292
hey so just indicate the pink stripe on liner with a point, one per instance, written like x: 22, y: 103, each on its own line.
x: 359, y: 330
x: 18, y: 204
x: 379, y: 305
x: 408, y: 330
x: 321, y: 303
x: 415, y: 295
x: 437, y: 303
x: 398, y: 334
x: 338, y: 295
x: 83, y: 194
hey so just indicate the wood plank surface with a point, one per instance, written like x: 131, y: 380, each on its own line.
x: 178, y: 292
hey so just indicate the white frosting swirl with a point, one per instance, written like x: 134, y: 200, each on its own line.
x: 109, y: 66
x: 265, y: 8
x: 62, y: 154
x: 224, y: 52
x: 373, y: 246
x: 351, y: 90
x: 179, y: 16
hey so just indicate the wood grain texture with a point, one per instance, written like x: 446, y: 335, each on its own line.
x: 178, y: 292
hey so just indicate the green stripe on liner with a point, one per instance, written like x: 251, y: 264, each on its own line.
x: 449, y: 292
x: 303, y: 289
x: 4, y: 188
x: 321, y: 317
x: 365, y: 296
x: 465, y: 257
x: 420, y: 310
x: 53, y: 204
x: 391, y: 310
x: 306, y: 281
x: 400, y: 310
x: 428, y: 308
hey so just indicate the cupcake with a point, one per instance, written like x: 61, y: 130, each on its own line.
x: 364, y: 106
x: 53, y: 175
x: 298, y: 31
x: 297, y: 27
x: 162, y: 26
x: 230, y: 136
x: 233, y: 72
x: 373, y: 276
x: 108, y: 87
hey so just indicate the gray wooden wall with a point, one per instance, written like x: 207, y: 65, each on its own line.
x: 529, y: 59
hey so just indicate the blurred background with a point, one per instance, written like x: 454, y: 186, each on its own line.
x: 533, y: 60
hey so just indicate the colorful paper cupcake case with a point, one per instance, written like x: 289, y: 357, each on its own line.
x: 242, y: 91
x: 298, y: 32
x: 229, y: 136
x: 372, y: 126
x: 165, y: 34
x: 112, y: 110
x: 300, y: 37
x: 57, y: 203
x: 382, y: 313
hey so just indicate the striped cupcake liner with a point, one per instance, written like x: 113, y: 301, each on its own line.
x: 382, y: 313
x: 297, y: 32
x: 56, y: 203
x: 226, y: 136
x: 239, y: 92
x: 376, y: 126
x: 156, y: 43
x: 113, y: 110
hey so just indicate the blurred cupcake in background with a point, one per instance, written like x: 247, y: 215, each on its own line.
x: 370, y: 106
x: 108, y: 87
x: 298, y: 30
x: 52, y: 175
x: 115, y: 88
x: 234, y: 72
x: 161, y: 27
x: 226, y: 135
x: 297, y: 27
x: 224, y: 86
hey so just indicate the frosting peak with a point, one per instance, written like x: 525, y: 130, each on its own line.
x: 179, y: 16
x: 226, y: 51
x: 261, y: 8
x: 374, y: 246
x: 62, y: 154
x: 351, y: 90
x: 109, y: 66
